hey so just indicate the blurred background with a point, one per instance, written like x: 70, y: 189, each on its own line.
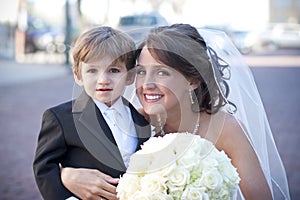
x: 42, y: 27
x: 35, y: 65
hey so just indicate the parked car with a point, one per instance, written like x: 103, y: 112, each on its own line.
x: 244, y: 40
x: 42, y: 37
x: 280, y: 35
x: 138, y: 25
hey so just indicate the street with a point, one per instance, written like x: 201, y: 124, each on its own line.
x: 27, y: 90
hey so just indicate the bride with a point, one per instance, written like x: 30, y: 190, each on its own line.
x: 196, y: 81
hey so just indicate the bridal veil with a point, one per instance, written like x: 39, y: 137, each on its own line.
x: 249, y: 109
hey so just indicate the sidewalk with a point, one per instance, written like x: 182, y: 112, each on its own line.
x: 26, y: 90
x: 272, y: 61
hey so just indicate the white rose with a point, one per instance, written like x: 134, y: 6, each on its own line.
x: 221, y: 156
x: 197, y: 183
x: 209, y: 163
x: 160, y: 196
x: 206, y: 147
x: 165, y: 171
x: 222, y: 193
x: 174, y: 190
x: 229, y: 173
x: 179, y: 177
x: 205, y: 196
x: 153, y: 183
x: 128, y: 184
x: 198, y: 145
x: 176, y: 193
x: 183, y: 142
x: 149, y: 158
x: 192, y: 193
x: 197, y: 172
x: 212, y: 179
x: 151, y: 145
x: 138, y: 195
x: 188, y: 160
x: 155, y: 144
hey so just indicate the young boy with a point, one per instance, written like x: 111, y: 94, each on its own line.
x: 85, y: 132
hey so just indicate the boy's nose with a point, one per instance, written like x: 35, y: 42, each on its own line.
x: 103, y: 79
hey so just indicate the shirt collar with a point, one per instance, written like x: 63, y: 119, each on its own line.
x: 118, y: 106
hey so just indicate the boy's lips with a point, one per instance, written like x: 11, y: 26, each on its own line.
x: 151, y: 98
x: 103, y: 90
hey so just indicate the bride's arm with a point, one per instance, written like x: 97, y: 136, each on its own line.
x: 237, y: 146
x: 89, y: 183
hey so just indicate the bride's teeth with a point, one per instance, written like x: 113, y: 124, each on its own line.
x: 153, y: 97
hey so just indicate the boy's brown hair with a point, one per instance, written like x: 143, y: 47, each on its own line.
x: 103, y: 42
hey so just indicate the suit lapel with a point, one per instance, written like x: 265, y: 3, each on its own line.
x: 142, y: 127
x: 96, y: 135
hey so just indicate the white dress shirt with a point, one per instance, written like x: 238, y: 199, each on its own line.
x: 119, y: 119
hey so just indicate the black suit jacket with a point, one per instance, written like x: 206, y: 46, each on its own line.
x: 75, y: 134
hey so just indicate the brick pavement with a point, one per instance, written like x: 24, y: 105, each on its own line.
x: 23, y: 102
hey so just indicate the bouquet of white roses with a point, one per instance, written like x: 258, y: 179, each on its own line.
x: 178, y: 166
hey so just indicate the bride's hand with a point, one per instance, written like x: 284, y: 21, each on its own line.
x: 89, y: 183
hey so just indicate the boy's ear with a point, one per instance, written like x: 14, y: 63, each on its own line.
x: 130, y: 76
x: 77, y: 78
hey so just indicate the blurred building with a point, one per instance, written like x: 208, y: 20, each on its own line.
x: 15, y: 18
x: 10, y: 29
x: 285, y: 11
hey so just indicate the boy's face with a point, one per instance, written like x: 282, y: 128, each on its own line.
x: 103, y: 80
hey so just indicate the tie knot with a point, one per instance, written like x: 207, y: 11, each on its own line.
x: 114, y: 111
x: 120, y: 120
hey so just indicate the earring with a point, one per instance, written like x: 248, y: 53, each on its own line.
x: 191, y: 96
x: 162, y: 132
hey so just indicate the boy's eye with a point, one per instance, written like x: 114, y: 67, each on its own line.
x: 114, y: 70
x: 92, y: 71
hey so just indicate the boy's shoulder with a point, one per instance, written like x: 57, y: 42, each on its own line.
x: 65, y: 107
